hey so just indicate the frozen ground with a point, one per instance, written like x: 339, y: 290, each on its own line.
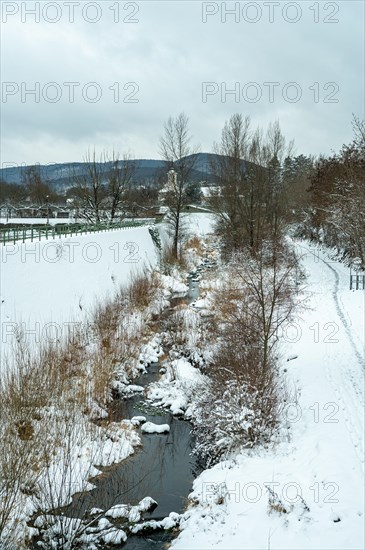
x: 308, y: 494
x: 198, y: 224
x: 47, y: 284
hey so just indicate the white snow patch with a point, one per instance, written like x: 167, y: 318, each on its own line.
x: 151, y: 428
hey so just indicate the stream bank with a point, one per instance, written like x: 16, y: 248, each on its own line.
x: 162, y: 468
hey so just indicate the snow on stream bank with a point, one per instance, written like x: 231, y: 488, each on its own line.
x: 306, y: 494
x: 51, y: 284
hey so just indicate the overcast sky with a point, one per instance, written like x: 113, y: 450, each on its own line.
x: 140, y: 62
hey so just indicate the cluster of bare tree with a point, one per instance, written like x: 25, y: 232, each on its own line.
x: 34, y: 189
x: 99, y: 193
x: 260, y: 185
x: 336, y: 215
x: 250, y: 199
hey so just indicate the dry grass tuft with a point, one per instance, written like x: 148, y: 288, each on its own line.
x: 141, y: 289
x: 195, y: 243
x: 169, y: 261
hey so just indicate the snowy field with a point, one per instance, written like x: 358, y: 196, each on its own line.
x: 51, y: 221
x: 317, y: 479
x: 198, y: 224
x: 47, y: 284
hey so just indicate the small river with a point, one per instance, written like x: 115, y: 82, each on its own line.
x: 162, y: 468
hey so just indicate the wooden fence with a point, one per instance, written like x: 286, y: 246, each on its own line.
x: 357, y: 281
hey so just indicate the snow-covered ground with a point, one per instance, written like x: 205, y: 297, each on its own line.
x: 51, y: 221
x: 199, y: 224
x: 307, y: 494
x: 47, y: 284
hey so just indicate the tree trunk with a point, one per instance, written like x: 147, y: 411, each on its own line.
x: 176, y: 237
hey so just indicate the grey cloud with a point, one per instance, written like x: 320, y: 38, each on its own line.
x: 168, y: 54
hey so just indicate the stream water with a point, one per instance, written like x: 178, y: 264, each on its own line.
x: 162, y: 468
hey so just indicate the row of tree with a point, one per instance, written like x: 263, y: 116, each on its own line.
x: 336, y: 210
x: 104, y: 190
x: 260, y: 186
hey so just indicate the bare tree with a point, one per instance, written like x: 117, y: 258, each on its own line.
x: 270, y: 278
x: 337, y: 195
x: 119, y: 178
x: 180, y: 156
x: 101, y: 189
x: 248, y: 166
x: 358, y: 126
x: 36, y: 186
x: 11, y: 193
x: 296, y: 177
x: 230, y: 171
x: 90, y: 187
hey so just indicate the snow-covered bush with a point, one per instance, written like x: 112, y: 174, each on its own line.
x: 231, y: 416
x: 240, y: 406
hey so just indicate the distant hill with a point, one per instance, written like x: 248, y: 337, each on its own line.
x: 62, y: 176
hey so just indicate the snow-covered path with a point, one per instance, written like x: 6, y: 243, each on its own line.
x: 319, y: 475
x: 345, y: 363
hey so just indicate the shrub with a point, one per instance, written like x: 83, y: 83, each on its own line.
x: 141, y: 289
x: 169, y: 262
x: 241, y: 405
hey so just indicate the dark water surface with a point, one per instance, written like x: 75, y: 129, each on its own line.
x: 161, y: 468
